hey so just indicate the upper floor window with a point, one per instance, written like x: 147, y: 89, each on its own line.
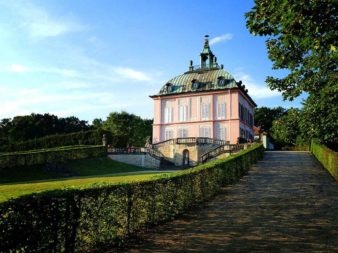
x: 168, y: 114
x: 205, y: 111
x: 221, y: 111
x: 183, y: 113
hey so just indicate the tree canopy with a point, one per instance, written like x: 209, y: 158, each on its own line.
x: 302, y: 38
x: 132, y: 130
x: 264, y: 116
x: 285, y: 130
x: 22, y: 128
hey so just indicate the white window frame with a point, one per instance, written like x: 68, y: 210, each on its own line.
x: 221, y: 112
x: 168, y: 134
x: 182, y: 133
x: 183, y: 113
x: 168, y: 114
x: 205, y: 111
x: 205, y: 131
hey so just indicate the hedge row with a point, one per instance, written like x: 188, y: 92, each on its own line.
x: 327, y: 157
x: 92, y: 137
x: 54, y: 155
x: 77, y: 220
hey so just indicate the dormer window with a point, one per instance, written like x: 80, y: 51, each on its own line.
x: 194, y: 84
x: 221, y: 81
x: 168, y: 87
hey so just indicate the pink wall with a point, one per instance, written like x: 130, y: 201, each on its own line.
x: 194, y: 122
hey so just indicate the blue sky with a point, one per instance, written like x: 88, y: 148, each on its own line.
x: 88, y: 58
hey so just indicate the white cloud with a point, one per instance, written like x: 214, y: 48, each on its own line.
x: 218, y: 39
x: 17, y: 68
x: 39, y: 23
x: 255, y: 90
x: 130, y: 73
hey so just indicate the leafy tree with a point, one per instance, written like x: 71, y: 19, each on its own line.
x: 302, y: 38
x: 97, y: 123
x: 22, y: 128
x: 285, y: 130
x: 130, y: 129
x: 5, y: 125
x: 264, y: 116
x: 320, y: 117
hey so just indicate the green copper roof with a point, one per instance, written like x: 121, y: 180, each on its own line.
x: 209, y: 76
x: 199, y: 80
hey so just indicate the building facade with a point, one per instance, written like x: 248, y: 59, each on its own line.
x: 205, y: 101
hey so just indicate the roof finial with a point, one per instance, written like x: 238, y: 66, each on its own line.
x: 206, y: 41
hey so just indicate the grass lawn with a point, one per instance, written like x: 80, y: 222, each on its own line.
x: 86, y: 167
x: 18, y: 189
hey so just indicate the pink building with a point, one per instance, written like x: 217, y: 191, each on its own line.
x: 205, y: 101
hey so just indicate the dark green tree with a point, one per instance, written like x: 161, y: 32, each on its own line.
x: 264, y: 116
x: 302, y: 38
x: 97, y: 123
x: 131, y: 130
x: 22, y: 128
x: 285, y: 130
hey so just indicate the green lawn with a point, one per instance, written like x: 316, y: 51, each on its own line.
x: 15, y: 182
x: 15, y: 190
x: 86, y: 167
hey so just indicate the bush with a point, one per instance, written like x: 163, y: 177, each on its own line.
x: 78, y: 220
x: 54, y: 155
x: 92, y: 137
x: 327, y: 157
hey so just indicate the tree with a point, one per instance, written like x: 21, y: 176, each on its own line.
x: 264, y: 116
x: 131, y: 130
x: 97, y: 123
x: 286, y: 130
x: 22, y: 128
x: 302, y: 38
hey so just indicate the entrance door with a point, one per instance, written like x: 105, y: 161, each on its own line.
x: 185, y: 157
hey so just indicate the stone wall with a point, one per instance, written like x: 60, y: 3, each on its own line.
x: 174, y: 152
x: 142, y: 160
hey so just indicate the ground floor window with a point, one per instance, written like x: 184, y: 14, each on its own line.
x: 221, y: 133
x: 182, y: 133
x: 168, y: 134
x: 205, y: 132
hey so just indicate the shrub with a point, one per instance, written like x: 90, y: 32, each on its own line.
x: 54, y: 155
x: 327, y: 157
x: 79, y: 219
x: 92, y: 137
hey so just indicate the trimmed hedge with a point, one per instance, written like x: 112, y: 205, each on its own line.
x: 327, y: 157
x: 54, y: 155
x: 80, y: 219
x: 91, y: 137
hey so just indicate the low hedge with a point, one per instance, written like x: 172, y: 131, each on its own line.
x: 91, y: 137
x: 53, y: 155
x: 327, y: 157
x: 80, y: 219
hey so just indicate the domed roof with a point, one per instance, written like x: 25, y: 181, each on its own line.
x: 199, y: 80
x: 209, y: 76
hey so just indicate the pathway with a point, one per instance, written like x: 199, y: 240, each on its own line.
x: 286, y: 203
